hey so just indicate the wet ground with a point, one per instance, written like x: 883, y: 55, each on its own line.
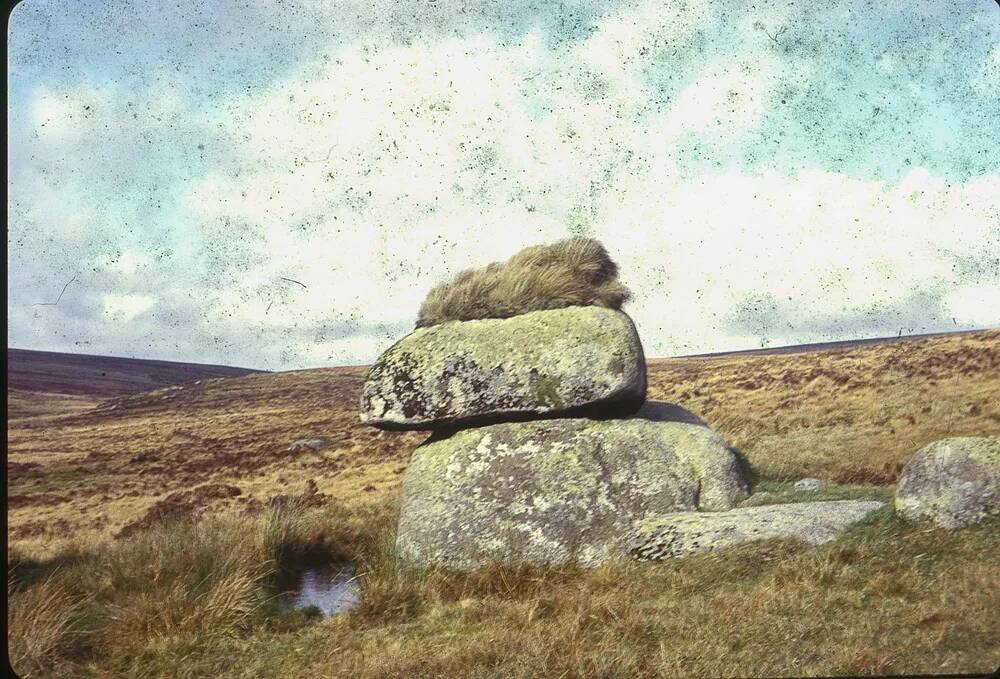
x: 332, y: 589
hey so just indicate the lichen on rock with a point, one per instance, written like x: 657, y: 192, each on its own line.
x: 579, y: 360
x: 553, y: 491
x: 686, y: 533
x: 954, y: 482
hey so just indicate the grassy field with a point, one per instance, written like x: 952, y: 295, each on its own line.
x: 114, y: 577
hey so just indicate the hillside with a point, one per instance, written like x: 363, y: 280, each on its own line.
x: 851, y: 415
x: 107, y: 587
x: 44, y: 382
x: 825, y: 346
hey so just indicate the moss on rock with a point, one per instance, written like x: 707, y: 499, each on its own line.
x: 542, y: 363
x: 553, y: 491
x: 954, y: 482
x: 686, y: 533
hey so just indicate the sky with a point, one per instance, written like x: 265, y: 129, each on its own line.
x: 278, y: 184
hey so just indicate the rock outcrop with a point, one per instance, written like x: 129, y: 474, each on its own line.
x: 543, y: 447
x: 551, y: 491
x: 687, y: 533
x: 563, y: 362
x: 953, y: 482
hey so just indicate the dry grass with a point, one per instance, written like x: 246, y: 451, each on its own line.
x: 39, y: 624
x: 198, y: 448
x: 868, y: 604
x: 572, y: 272
x: 179, y: 583
x: 23, y: 403
x: 886, y: 598
x: 190, y: 598
x: 846, y: 416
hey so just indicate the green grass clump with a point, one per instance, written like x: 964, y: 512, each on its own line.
x: 782, y: 492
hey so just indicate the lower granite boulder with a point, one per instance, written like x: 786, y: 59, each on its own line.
x: 554, y: 491
x: 685, y: 533
x: 953, y: 482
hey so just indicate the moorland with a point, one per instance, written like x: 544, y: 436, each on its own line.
x: 148, y: 529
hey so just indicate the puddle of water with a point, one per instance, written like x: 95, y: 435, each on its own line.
x: 331, y: 589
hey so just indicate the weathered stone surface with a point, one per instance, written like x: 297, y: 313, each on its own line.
x: 953, y: 482
x: 808, y: 483
x: 578, y: 360
x: 549, y: 491
x: 684, y: 533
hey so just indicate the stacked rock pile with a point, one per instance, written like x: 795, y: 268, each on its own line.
x: 543, y: 446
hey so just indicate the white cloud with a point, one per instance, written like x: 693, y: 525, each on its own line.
x: 975, y: 305
x: 824, y: 243
x: 125, y: 265
x: 333, y: 199
x: 723, y: 102
x: 692, y: 248
x: 345, y: 351
x: 54, y: 115
x: 124, y: 308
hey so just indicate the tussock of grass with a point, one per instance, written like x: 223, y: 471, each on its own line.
x: 39, y: 624
x: 571, y: 272
x: 178, y: 583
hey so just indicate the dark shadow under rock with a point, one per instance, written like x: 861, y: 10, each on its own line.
x: 660, y: 411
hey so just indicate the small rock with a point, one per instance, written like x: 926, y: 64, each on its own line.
x: 953, y: 482
x: 684, y: 533
x: 808, y: 484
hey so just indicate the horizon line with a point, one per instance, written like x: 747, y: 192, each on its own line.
x: 787, y: 348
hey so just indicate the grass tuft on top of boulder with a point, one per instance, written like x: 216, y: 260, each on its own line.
x: 572, y: 272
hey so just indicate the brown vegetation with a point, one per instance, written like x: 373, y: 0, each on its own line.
x: 213, y: 460
x: 196, y: 599
x: 572, y: 272
x: 845, y: 415
x: 851, y: 415
x: 39, y: 624
x: 23, y: 403
x: 174, y: 583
